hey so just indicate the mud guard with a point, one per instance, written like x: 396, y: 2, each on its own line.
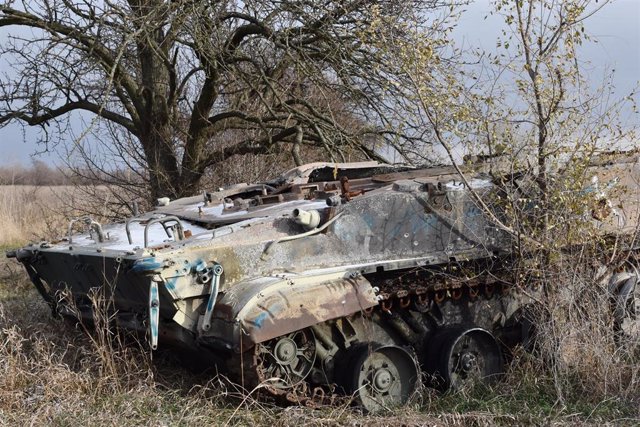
x: 262, y: 309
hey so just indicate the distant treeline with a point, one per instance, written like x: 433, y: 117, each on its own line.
x: 41, y: 173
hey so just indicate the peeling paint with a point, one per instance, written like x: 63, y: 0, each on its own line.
x: 145, y: 265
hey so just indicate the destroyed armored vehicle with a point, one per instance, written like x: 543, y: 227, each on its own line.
x: 333, y: 279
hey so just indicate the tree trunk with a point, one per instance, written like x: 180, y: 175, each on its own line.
x: 164, y: 177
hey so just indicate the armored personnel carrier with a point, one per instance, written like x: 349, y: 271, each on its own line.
x: 330, y: 280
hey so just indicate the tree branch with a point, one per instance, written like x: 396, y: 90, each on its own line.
x: 92, y: 46
x: 38, y: 119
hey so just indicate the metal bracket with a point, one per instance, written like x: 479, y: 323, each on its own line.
x: 154, y: 314
x: 438, y: 198
x: 213, y: 295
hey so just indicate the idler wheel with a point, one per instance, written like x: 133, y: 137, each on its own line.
x: 460, y: 357
x: 286, y: 361
x: 381, y: 377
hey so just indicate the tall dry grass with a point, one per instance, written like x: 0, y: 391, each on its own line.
x: 580, y: 353
x: 32, y: 213
x: 27, y: 212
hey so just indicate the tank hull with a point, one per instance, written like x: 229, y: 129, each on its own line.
x: 330, y: 265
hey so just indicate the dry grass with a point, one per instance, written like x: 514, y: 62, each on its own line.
x: 583, y: 360
x: 54, y: 374
x: 32, y: 213
x: 26, y: 212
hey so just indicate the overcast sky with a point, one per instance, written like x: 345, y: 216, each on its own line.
x: 616, y: 29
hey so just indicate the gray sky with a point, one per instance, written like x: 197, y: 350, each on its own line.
x: 616, y: 29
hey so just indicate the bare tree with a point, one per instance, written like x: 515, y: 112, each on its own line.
x: 175, y: 87
x: 530, y: 106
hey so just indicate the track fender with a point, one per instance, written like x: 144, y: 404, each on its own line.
x: 266, y: 308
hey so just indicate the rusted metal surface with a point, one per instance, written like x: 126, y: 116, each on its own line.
x: 347, y: 192
x: 266, y: 308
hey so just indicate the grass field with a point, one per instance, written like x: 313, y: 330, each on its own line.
x: 26, y: 212
x: 54, y: 374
